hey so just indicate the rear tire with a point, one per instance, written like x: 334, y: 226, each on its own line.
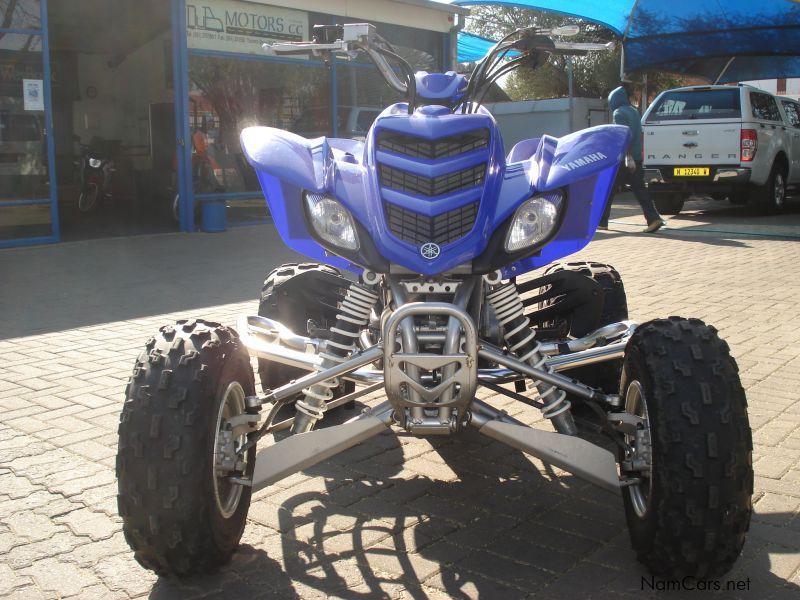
x: 294, y: 311
x: 690, y: 512
x: 668, y: 203
x: 771, y: 197
x: 180, y: 514
x: 604, y: 375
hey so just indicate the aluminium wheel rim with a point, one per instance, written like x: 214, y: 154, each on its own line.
x: 779, y: 190
x: 639, y: 493
x: 227, y: 494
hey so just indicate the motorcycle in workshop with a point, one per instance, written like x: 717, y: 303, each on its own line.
x: 438, y: 224
x: 104, y: 174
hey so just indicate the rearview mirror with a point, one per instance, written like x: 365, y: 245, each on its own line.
x: 566, y: 30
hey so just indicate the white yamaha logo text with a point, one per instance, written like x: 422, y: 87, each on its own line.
x: 429, y: 251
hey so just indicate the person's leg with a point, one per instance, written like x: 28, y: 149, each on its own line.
x: 606, y: 213
x: 642, y: 195
x: 618, y: 180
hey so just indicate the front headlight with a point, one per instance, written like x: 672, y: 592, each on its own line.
x: 331, y: 221
x: 534, y: 221
x: 95, y: 163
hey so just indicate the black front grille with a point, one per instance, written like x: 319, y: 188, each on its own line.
x: 453, y: 145
x: 442, y: 229
x: 403, y: 181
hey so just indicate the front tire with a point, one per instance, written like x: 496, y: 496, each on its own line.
x: 87, y: 201
x: 690, y: 511
x: 180, y: 513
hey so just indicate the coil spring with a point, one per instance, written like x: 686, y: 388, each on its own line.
x: 521, y: 340
x: 353, y: 315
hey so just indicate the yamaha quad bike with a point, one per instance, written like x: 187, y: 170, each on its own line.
x: 435, y: 223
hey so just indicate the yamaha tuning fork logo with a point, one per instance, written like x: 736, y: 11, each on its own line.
x: 430, y: 251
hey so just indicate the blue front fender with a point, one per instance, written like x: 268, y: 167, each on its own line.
x: 288, y: 156
x: 584, y: 164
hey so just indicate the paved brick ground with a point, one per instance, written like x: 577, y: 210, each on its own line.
x: 397, y: 516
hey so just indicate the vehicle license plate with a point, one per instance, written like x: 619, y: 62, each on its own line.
x: 691, y: 171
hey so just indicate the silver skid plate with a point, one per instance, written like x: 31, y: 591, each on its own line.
x: 582, y: 458
x: 305, y: 450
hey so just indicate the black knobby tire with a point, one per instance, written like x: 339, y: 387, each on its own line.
x: 169, y: 497
x: 603, y: 375
x: 668, y: 203
x: 771, y: 197
x: 694, y: 506
x: 292, y: 311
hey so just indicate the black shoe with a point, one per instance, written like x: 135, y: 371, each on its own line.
x: 654, y: 226
x: 603, y: 227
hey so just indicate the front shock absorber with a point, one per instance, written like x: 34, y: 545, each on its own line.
x: 353, y: 316
x: 521, y: 340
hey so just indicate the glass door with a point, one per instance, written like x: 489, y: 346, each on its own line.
x: 28, y: 212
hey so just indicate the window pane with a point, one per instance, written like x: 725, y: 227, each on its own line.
x: 764, y: 107
x: 701, y: 104
x: 421, y: 48
x: 362, y: 94
x: 23, y: 147
x: 229, y: 94
x: 19, y: 14
x: 18, y: 222
x: 792, y: 112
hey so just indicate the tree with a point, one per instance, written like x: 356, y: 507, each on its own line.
x: 594, y: 74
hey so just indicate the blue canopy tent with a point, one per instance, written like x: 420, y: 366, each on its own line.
x: 471, y: 47
x: 719, y: 40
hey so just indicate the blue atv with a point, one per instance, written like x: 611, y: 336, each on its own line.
x: 419, y: 234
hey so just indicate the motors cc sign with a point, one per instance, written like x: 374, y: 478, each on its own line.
x: 230, y: 26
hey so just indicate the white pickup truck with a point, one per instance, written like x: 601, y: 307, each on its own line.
x: 735, y: 142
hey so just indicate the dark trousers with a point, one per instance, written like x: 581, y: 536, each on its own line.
x: 636, y: 180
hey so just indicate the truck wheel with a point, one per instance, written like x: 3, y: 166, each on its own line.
x: 603, y: 375
x: 771, y: 196
x: 180, y: 513
x: 292, y: 294
x: 668, y: 203
x: 690, y: 510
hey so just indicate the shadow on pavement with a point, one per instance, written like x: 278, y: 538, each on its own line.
x: 498, y: 527
x: 709, y: 222
x: 71, y: 285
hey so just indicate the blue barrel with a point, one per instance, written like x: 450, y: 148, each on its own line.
x: 214, y: 220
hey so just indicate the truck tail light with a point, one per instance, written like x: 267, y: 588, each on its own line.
x: 749, y: 141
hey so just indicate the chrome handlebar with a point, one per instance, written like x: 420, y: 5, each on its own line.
x: 356, y: 37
